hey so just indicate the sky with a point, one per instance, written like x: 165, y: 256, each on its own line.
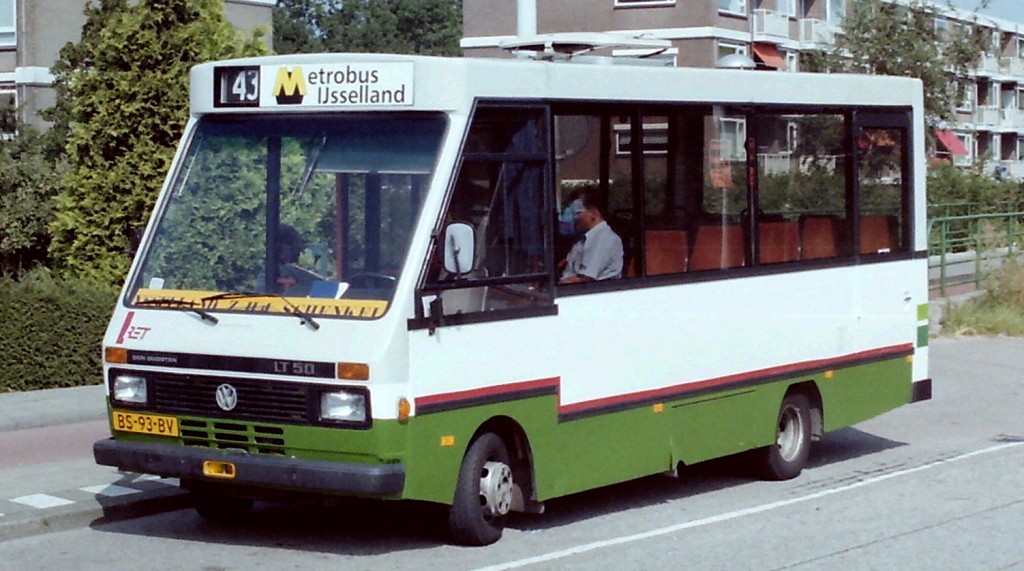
x: 1012, y: 10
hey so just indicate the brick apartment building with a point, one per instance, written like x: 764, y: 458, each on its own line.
x: 989, y: 124
x: 32, y: 32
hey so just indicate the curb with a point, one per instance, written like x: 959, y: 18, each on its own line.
x: 49, y: 407
x: 100, y: 510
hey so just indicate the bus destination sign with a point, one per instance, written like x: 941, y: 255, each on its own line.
x: 382, y: 84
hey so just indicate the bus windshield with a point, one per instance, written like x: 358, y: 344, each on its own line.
x: 271, y: 214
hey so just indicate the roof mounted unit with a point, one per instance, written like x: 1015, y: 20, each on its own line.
x: 578, y: 47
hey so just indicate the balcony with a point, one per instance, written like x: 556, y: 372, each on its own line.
x: 1014, y: 169
x: 816, y: 34
x: 770, y: 26
x: 986, y: 116
x: 1013, y: 66
x: 1012, y: 119
x: 988, y: 66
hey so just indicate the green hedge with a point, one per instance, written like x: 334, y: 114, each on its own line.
x: 51, y: 330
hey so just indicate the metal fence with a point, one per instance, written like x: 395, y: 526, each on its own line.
x: 964, y: 250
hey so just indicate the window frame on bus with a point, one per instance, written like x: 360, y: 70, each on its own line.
x: 634, y: 115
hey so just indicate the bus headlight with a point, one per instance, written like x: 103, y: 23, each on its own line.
x: 343, y: 406
x: 129, y: 389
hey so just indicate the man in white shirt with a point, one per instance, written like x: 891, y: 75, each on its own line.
x: 598, y: 254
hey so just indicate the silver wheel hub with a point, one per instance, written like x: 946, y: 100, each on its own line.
x: 496, y: 489
x: 791, y: 434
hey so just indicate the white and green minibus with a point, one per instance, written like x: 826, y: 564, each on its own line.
x: 350, y: 283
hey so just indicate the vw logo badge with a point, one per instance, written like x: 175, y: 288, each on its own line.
x: 227, y: 397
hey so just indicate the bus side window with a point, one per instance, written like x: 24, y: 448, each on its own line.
x: 499, y: 195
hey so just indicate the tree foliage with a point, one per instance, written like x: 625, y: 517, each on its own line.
x: 123, y: 102
x: 29, y: 179
x: 388, y: 26
x: 887, y: 38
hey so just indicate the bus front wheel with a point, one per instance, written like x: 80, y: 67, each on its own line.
x: 785, y: 459
x: 483, y: 494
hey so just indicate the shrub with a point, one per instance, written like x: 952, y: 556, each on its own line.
x: 51, y: 330
x: 997, y: 311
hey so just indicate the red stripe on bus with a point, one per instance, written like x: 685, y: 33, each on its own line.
x: 675, y: 390
x: 680, y: 389
x: 552, y: 382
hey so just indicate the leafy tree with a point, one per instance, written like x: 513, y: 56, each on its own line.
x: 29, y: 179
x: 123, y: 93
x: 296, y: 24
x: 888, y: 38
x: 388, y: 26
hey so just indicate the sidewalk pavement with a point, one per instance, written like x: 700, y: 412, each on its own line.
x: 77, y: 493
x: 50, y: 407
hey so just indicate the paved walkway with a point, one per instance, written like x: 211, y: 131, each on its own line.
x: 39, y: 495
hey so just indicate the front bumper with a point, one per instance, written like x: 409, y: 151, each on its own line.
x: 275, y: 472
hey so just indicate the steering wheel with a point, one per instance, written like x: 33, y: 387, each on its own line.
x: 372, y: 280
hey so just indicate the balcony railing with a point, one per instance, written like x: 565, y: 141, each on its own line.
x: 1013, y: 66
x: 1012, y: 118
x: 816, y: 33
x: 987, y: 116
x: 770, y: 25
x: 1013, y: 170
x: 989, y: 65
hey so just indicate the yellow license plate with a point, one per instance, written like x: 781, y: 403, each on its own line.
x: 145, y: 423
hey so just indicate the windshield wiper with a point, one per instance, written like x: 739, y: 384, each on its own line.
x: 304, y: 317
x: 183, y: 304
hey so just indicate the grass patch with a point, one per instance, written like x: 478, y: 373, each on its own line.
x: 998, y: 311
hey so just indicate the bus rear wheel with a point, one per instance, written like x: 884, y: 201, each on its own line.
x: 786, y: 458
x: 483, y: 494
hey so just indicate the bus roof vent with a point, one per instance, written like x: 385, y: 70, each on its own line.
x: 580, y: 47
x: 735, y: 61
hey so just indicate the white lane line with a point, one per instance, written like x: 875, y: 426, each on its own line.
x: 736, y: 514
x: 110, y: 490
x: 42, y: 501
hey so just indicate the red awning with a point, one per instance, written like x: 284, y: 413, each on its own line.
x: 951, y: 142
x: 769, y: 54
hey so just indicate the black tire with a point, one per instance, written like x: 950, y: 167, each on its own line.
x: 483, y: 493
x: 221, y: 509
x: 786, y: 458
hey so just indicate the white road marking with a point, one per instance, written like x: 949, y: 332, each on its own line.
x: 736, y: 514
x: 42, y: 501
x: 111, y: 490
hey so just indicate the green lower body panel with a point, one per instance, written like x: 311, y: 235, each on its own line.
x: 564, y: 453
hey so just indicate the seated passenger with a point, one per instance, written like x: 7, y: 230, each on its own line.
x: 292, y: 280
x: 597, y: 255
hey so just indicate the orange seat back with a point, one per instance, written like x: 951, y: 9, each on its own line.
x: 665, y: 251
x: 778, y: 242
x: 818, y: 238
x: 717, y: 247
x: 876, y: 234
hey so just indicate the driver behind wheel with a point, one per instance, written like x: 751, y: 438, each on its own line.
x: 292, y: 279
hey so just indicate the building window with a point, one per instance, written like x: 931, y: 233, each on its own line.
x: 655, y: 139
x: 786, y: 7
x: 836, y: 10
x: 792, y: 61
x: 967, y: 140
x: 8, y: 113
x: 8, y: 31
x: 728, y: 49
x: 733, y: 6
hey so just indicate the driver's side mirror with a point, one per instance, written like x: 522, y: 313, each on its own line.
x: 459, y: 244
